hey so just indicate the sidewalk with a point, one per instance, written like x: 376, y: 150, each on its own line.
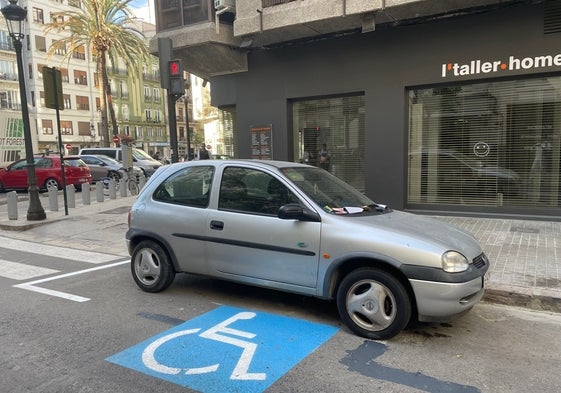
x: 525, y: 255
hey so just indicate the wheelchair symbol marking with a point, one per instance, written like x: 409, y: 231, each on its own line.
x: 240, y: 371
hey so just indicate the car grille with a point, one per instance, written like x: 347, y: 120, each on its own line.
x: 480, y: 261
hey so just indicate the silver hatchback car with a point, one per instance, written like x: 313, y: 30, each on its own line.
x: 298, y: 228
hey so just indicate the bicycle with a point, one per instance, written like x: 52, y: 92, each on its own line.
x: 125, y: 177
x: 132, y: 183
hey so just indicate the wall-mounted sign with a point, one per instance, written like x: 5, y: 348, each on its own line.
x: 262, y: 142
x: 514, y: 63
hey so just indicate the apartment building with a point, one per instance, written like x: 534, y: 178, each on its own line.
x: 138, y: 102
x: 426, y: 105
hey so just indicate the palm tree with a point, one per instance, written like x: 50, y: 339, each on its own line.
x: 106, y: 27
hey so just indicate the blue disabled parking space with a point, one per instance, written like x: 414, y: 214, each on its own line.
x: 227, y: 350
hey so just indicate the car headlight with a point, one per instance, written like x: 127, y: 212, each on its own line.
x: 454, y: 262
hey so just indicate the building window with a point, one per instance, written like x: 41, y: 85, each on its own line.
x: 66, y: 127
x: 84, y: 128
x: 47, y: 127
x: 80, y: 78
x: 40, y: 44
x: 38, y: 15
x: 171, y: 14
x: 83, y: 103
x: 489, y: 144
x: 67, y: 101
x: 339, y: 124
x: 60, y: 48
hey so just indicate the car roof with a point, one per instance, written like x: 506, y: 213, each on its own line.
x: 259, y: 163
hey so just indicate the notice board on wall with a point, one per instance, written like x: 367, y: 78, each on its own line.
x: 262, y: 142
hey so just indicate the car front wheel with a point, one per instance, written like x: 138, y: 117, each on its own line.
x: 52, y: 183
x: 373, y: 303
x: 151, y: 267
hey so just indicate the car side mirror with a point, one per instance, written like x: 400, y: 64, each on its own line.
x: 294, y: 211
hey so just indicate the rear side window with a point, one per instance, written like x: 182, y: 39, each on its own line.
x: 74, y: 162
x: 189, y: 187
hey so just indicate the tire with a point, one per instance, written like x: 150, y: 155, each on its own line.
x: 373, y: 304
x: 151, y: 267
x: 52, y: 183
x: 2, y: 187
x: 133, y: 187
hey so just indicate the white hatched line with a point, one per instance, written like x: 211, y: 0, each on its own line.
x: 56, y: 251
x: 31, y: 285
x: 22, y: 271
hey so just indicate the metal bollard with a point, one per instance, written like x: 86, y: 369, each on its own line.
x: 86, y: 199
x: 99, y: 191
x: 112, y: 189
x: 12, y: 198
x: 141, y: 182
x: 70, y: 196
x: 53, y: 199
x: 123, y: 187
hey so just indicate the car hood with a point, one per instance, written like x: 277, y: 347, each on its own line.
x: 420, y: 232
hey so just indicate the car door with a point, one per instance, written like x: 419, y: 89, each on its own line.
x: 16, y: 175
x: 248, y: 242
x: 97, y: 168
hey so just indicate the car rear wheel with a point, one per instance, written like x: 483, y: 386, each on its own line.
x: 52, y: 183
x: 151, y: 267
x: 373, y: 304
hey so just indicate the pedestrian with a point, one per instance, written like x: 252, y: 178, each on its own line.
x: 203, y: 153
x: 324, y: 158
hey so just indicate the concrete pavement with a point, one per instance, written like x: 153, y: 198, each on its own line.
x: 525, y: 255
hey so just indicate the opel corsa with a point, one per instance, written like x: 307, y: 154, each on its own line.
x: 297, y: 228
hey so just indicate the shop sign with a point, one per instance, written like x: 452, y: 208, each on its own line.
x: 477, y: 67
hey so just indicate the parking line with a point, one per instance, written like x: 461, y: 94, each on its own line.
x: 22, y: 271
x: 30, y: 286
x: 55, y: 251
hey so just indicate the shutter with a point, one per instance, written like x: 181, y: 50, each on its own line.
x: 339, y: 124
x: 488, y: 144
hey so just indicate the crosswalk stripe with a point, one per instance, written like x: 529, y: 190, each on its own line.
x: 21, y: 271
x: 55, y: 251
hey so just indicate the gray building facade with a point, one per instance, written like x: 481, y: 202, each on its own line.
x: 459, y: 114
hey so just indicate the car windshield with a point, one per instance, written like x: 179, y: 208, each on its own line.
x: 141, y: 154
x: 109, y: 160
x: 329, y: 192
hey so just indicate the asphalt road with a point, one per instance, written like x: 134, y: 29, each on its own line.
x: 72, y: 327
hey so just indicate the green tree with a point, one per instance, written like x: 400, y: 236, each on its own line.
x: 107, y: 28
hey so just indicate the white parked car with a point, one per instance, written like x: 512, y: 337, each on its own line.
x: 298, y: 228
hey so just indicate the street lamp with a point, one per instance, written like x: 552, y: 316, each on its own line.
x: 15, y: 15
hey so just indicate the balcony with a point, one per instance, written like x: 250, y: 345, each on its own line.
x: 199, y: 32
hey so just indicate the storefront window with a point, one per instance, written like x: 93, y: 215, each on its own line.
x: 486, y: 144
x: 329, y: 133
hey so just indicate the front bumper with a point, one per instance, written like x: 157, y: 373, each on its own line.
x: 441, y: 301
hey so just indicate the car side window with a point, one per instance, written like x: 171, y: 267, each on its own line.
x: 253, y: 191
x: 43, y: 163
x: 18, y: 165
x: 189, y: 186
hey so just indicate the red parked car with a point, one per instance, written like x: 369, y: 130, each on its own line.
x: 48, y: 172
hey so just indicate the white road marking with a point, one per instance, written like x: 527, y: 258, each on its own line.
x: 56, y: 251
x: 31, y: 285
x: 22, y: 271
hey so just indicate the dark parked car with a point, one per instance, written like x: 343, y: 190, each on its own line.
x: 48, y: 172
x: 102, y: 166
x: 298, y: 228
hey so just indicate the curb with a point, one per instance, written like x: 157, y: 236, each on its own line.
x: 533, y: 299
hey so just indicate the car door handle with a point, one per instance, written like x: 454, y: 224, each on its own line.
x: 218, y: 225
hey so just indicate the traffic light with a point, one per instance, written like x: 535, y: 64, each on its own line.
x: 176, y: 82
